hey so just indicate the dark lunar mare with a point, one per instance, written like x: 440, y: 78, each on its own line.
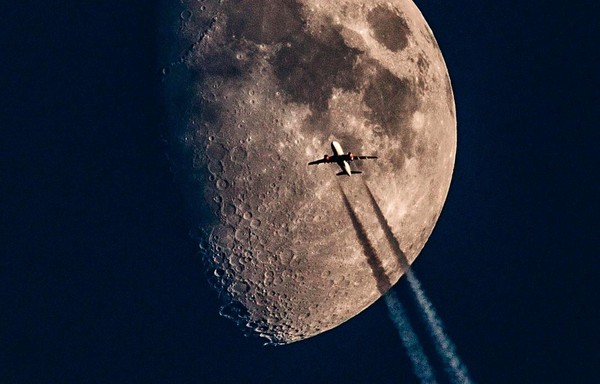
x: 309, y: 69
x: 391, y: 99
x: 390, y: 29
x: 263, y: 21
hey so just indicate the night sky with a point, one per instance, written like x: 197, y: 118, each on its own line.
x: 100, y: 281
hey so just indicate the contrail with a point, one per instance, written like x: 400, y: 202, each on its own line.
x: 383, y: 281
x: 454, y: 367
x: 421, y: 367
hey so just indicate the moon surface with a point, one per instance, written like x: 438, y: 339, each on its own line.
x: 257, y: 89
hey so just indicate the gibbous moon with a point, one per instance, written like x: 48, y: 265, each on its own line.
x: 257, y: 89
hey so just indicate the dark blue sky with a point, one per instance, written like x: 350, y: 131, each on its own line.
x: 99, y: 281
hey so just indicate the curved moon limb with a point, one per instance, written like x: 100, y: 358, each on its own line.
x: 258, y: 89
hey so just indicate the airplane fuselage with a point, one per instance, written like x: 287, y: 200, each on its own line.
x: 339, y: 152
x: 341, y: 159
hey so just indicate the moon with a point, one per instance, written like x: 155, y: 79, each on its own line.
x: 257, y: 89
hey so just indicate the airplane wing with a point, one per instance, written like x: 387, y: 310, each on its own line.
x: 321, y: 161
x: 364, y: 157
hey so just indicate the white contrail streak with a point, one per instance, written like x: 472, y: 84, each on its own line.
x: 455, y: 369
x: 421, y: 366
x: 445, y: 347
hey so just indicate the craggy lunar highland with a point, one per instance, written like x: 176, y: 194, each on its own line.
x: 255, y: 89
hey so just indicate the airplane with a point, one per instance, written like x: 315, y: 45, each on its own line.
x: 341, y: 159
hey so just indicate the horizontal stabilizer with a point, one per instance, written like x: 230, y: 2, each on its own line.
x: 344, y: 173
x: 364, y: 157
